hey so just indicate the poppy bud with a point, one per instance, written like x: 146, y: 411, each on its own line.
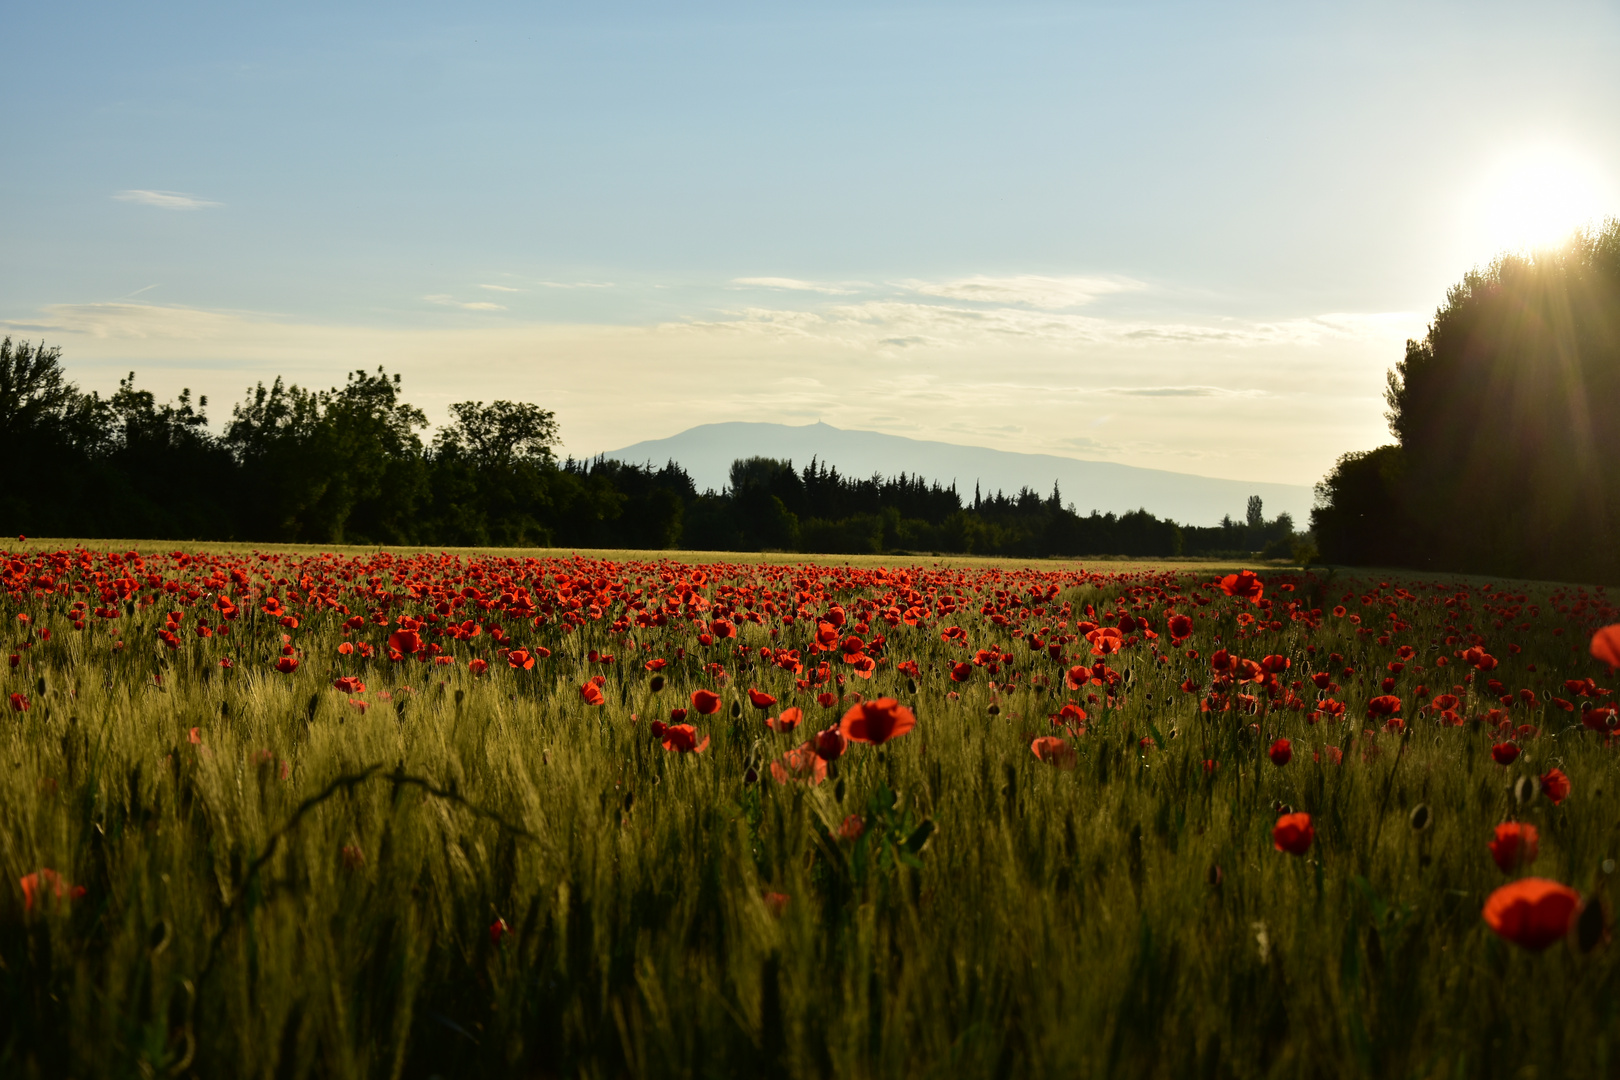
x: 656, y: 683
x: 1526, y: 788
x: 1420, y: 818
x: 656, y: 729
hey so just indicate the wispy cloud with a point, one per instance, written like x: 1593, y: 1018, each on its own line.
x: 166, y: 200
x: 473, y: 305
x: 499, y: 288
x: 575, y: 284
x: 1179, y: 391
x: 1027, y: 290
x: 795, y: 285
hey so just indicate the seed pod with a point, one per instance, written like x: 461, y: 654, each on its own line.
x: 1420, y: 817
x: 656, y: 684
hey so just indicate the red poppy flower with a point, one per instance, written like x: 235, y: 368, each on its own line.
x: 677, y: 715
x: 19, y: 703
x: 478, y: 666
x: 787, y: 721
x: 1077, y: 677
x: 1293, y: 833
x: 350, y: 684
x: 800, y: 765
x: 1606, y: 645
x: 876, y: 722
x: 1071, y: 716
x: 1281, y: 752
x: 592, y: 694
x: 682, y: 739
x: 1516, y: 844
x: 497, y: 930
x: 406, y: 641
x: 1181, y: 628
x: 961, y: 672
x: 1105, y: 641
x: 656, y: 665
x: 1533, y: 913
x: 1054, y: 751
x: 287, y: 665
x: 1383, y: 705
x: 721, y: 628
x: 43, y: 881
x: 830, y: 744
x: 519, y: 660
x: 759, y: 699
x: 705, y: 701
x: 1244, y: 584
x: 1555, y: 785
x: 1275, y: 665
x: 1504, y: 753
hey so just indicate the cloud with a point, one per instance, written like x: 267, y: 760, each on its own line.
x: 575, y: 284
x: 1027, y: 290
x: 166, y: 200
x: 1179, y: 391
x: 794, y: 284
x: 474, y: 305
x: 499, y: 288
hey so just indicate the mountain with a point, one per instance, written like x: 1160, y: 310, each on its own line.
x: 707, y: 451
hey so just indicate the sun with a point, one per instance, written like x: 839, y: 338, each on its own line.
x: 1536, y: 198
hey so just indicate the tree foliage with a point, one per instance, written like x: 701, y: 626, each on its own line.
x: 349, y: 465
x: 1507, y: 414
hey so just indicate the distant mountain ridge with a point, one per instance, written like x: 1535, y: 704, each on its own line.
x: 707, y: 451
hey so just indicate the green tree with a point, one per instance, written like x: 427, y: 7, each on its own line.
x: 330, y: 466
x: 1508, y: 412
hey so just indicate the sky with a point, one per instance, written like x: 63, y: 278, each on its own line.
x: 1181, y: 236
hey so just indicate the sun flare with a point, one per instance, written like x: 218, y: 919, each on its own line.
x: 1538, y: 198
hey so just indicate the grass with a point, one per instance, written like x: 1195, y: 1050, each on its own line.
x: 486, y: 876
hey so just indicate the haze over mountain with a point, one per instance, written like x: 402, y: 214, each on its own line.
x: 707, y: 451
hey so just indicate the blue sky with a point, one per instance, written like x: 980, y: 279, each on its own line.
x: 1188, y: 236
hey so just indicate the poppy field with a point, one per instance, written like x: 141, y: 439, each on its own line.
x: 287, y: 814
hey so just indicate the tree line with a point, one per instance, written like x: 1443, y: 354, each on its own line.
x: 351, y: 465
x: 1506, y: 419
